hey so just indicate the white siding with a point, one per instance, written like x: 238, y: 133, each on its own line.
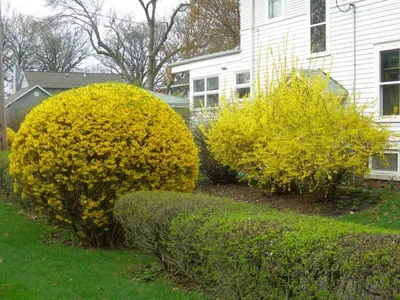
x: 224, y: 67
x: 377, y: 23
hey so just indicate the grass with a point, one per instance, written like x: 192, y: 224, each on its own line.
x: 386, y: 214
x: 29, y: 269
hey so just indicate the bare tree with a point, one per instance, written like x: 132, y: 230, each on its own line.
x: 209, y: 26
x: 154, y: 47
x: 60, y: 49
x: 129, y: 41
x: 19, y: 44
x: 112, y: 44
x: 87, y: 16
x: 190, y: 39
x: 42, y: 45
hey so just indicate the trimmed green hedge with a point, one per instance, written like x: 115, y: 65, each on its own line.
x: 242, y: 251
x: 146, y: 218
x: 6, y: 182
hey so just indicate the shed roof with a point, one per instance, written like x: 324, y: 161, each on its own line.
x: 206, y: 57
x: 171, y: 100
x: 63, y: 80
x: 333, y: 85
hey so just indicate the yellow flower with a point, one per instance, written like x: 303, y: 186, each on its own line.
x: 78, y: 151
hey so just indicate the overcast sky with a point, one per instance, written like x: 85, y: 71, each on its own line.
x: 37, y: 7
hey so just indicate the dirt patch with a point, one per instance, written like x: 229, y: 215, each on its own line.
x: 346, y: 202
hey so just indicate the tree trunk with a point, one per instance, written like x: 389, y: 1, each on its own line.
x: 151, y: 58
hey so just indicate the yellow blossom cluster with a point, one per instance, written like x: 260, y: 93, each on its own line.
x: 297, y: 132
x: 10, y: 136
x: 78, y: 151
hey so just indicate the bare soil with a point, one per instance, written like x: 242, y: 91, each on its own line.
x: 298, y: 203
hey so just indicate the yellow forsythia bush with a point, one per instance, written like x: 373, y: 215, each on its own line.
x: 297, y: 135
x: 10, y: 136
x: 80, y: 150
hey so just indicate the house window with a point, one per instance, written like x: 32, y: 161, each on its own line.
x: 389, y: 82
x: 243, y: 84
x: 206, y: 92
x: 392, y: 163
x: 275, y: 9
x: 318, y: 26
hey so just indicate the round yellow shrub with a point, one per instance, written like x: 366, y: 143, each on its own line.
x: 78, y: 151
x: 296, y: 135
x: 10, y: 136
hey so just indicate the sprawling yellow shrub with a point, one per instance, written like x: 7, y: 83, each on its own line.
x: 78, y: 151
x: 10, y: 136
x: 297, y: 133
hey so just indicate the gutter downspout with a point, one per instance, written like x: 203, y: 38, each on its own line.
x: 3, y: 120
x: 252, y: 55
x: 354, y: 52
x: 352, y: 5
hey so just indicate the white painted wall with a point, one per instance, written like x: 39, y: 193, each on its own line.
x: 377, y: 27
x: 224, y: 67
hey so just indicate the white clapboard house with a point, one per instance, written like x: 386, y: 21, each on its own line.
x: 360, y: 38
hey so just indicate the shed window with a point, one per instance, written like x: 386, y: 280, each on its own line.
x: 275, y: 8
x: 318, y: 26
x: 392, y: 163
x: 243, y: 84
x: 389, y: 82
x: 243, y: 78
x: 198, y: 85
x: 206, y: 92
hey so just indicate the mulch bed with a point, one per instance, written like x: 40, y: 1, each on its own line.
x: 297, y: 203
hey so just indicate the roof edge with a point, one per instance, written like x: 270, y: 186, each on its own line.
x: 73, y: 72
x: 205, y: 57
x: 20, y: 96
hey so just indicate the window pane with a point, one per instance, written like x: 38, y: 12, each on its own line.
x: 198, y: 101
x: 392, y: 165
x: 242, y: 78
x: 274, y: 8
x: 243, y: 92
x: 390, y: 99
x: 198, y: 85
x: 212, y: 100
x: 390, y: 65
x: 318, y: 11
x: 318, y: 38
x: 212, y: 84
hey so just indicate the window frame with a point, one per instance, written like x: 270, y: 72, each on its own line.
x: 379, y: 84
x: 242, y: 85
x: 382, y: 171
x: 204, y: 93
x: 276, y: 18
x: 327, y: 30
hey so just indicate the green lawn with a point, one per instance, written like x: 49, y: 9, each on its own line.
x: 30, y: 269
x: 384, y: 215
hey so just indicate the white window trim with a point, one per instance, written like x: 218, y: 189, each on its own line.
x: 378, y: 49
x: 328, y: 30
x: 385, y: 172
x: 242, y: 85
x: 204, y: 93
x: 277, y: 18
